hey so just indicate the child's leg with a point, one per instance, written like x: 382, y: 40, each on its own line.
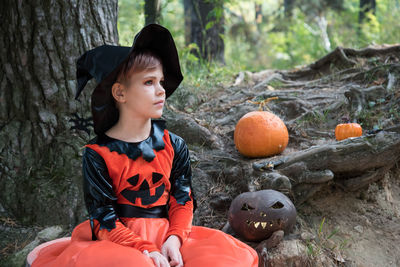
x: 106, y: 253
x: 82, y: 251
x: 209, y: 246
x: 93, y: 253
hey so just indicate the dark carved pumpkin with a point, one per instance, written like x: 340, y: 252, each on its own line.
x: 256, y: 215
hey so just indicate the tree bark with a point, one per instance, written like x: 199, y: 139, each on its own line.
x: 198, y: 14
x: 40, y: 140
x: 152, y: 11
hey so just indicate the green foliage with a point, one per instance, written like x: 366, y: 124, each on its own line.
x: 286, y: 43
x: 130, y: 20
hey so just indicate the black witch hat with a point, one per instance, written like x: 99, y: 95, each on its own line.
x: 104, y: 63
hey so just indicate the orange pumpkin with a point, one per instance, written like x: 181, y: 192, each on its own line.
x: 260, y: 134
x: 346, y: 130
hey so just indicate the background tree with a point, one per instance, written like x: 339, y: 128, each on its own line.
x: 316, y: 11
x: 365, y: 7
x: 42, y: 132
x: 204, y: 24
x: 152, y: 11
x: 258, y: 14
x: 288, y: 8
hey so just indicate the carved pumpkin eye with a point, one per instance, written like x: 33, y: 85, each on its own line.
x: 246, y: 206
x: 277, y: 205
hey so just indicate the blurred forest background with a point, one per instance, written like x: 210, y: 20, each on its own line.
x: 265, y: 34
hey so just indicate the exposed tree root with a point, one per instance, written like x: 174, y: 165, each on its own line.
x: 352, y: 164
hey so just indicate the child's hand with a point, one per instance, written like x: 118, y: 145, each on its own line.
x: 158, y: 259
x: 170, y: 250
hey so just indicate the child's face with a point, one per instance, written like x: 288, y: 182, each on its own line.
x: 145, y: 95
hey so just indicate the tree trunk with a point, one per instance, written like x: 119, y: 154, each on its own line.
x: 206, y: 26
x: 40, y: 140
x: 152, y: 11
x: 365, y: 7
x: 288, y: 7
x: 259, y: 16
x: 188, y: 14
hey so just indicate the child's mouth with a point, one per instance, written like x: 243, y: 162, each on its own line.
x: 159, y: 103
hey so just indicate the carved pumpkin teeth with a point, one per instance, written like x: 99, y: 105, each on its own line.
x: 256, y: 224
x: 263, y: 224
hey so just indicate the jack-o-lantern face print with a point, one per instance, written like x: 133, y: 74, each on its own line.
x: 256, y: 215
x: 143, y: 193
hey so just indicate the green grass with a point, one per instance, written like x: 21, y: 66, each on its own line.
x: 201, y: 80
x: 326, y: 241
x: 314, y: 118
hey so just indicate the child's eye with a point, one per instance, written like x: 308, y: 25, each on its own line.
x: 149, y: 82
x: 162, y: 83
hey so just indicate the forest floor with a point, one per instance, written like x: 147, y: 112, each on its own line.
x: 365, y: 225
x: 334, y: 227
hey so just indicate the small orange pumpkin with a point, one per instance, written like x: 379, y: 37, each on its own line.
x: 346, y: 130
x: 260, y: 134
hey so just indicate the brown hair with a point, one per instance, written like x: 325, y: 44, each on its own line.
x: 138, y: 61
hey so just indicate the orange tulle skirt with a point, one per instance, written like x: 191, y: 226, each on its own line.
x: 204, y: 246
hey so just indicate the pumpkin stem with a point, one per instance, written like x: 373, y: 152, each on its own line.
x: 263, y: 103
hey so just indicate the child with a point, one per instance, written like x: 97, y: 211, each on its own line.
x: 137, y: 174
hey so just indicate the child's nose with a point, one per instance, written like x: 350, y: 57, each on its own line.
x: 160, y: 89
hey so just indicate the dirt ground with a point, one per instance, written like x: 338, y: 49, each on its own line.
x: 367, y: 223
